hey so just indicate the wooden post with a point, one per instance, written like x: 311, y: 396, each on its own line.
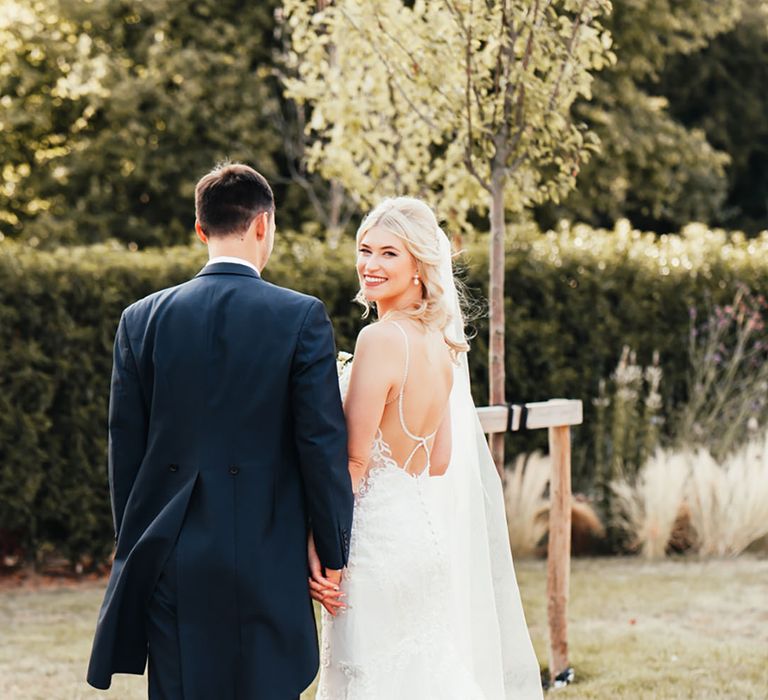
x: 556, y: 415
x: 559, y: 549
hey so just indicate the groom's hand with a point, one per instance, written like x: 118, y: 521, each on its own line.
x: 324, y: 583
x: 325, y: 590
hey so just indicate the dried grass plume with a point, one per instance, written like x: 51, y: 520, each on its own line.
x: 527, y: 507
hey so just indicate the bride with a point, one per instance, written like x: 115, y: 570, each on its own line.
x: 428, y: 606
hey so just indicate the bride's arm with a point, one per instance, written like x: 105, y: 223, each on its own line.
x: 369, y: 385
x: 371, y: 381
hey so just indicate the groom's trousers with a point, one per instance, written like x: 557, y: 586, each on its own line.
x: 163, y: 637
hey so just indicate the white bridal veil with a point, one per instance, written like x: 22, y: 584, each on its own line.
x: 487, y: 615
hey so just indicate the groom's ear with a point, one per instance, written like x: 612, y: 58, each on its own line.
x: 200, y: 233
x: 260, y: 225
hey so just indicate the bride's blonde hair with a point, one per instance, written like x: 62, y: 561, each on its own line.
x: 415, y: 224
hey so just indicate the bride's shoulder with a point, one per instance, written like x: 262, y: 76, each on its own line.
x: 379, y: 332
x: 382, y: 340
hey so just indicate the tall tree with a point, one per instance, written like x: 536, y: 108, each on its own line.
x: 112, y: 110
x: 721, y: 90
x: 461, y: 102
x: 651, y: 168
x: 332, y: 206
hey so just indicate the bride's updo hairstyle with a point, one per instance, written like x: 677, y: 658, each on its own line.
x: 415, y: 224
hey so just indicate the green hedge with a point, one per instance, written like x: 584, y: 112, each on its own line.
x: 575, y: 296
x: 58, y: 315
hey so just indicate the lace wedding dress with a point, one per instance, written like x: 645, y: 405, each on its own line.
x: 394, y: 640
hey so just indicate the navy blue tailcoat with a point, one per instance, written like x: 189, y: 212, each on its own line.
x: 227, y: 443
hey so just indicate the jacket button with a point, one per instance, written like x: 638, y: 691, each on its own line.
x: 234, y: 471
x: 173, y: 467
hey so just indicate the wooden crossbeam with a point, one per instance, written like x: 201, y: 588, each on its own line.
x: 540, y: 414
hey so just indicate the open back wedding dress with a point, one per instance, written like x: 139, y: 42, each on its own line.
x: 433, y: 609
x: 394, y: 641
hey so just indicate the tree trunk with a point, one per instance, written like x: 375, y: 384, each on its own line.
x: 334, y: 214
x: 496, y: 295
x: 333, y: 235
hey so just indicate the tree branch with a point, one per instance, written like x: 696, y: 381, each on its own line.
x: 499, y: 68
x: 391, y: 72
x: 467, y: 31
x: 411, y: 57
x: 398, y: 140
x: 578, y: 23
x: 469, y: 90
x: 507, y: 147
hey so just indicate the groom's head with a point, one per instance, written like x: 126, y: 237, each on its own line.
x: 235, y: 207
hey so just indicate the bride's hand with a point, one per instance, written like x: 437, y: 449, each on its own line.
x: 323, y: 588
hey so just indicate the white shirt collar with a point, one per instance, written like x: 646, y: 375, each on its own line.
x: 230, y: 259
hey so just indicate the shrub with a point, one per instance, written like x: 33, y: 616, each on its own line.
x: 646, y: 507
x: 626, y: 422
x: 576, y: 296
x: 724, y: 504
x: 729, y: 502
x: 728, y: 370
x: 527, y: 507
x: 58, y: 314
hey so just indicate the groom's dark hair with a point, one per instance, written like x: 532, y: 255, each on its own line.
x: 229, y: 197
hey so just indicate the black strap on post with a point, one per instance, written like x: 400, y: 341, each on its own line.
x: 511, y: 415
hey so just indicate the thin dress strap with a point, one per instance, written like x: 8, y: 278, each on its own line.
x: 422, y: 441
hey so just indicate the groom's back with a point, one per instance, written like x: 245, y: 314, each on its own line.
x: 217, y: 354
x: 236, y: 463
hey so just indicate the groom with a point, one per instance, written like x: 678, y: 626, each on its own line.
x: 227, y: 444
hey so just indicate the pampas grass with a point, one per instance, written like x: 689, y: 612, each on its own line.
x: 647, y: 507
x: 729, y: 502
x: 526, y: 504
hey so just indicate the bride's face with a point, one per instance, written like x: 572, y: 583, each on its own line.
x: 384, y: 266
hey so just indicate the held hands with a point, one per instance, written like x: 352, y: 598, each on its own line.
x: 325, y: 589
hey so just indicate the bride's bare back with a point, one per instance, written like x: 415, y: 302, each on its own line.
x: 394, y: 358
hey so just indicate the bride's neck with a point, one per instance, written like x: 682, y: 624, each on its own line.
x: 398, y: 306
x: 395, y: 313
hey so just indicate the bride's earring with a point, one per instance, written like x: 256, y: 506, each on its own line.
x: 415, y: 280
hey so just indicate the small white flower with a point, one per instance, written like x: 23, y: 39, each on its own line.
x: 342, y: 359
x: 343, y: 369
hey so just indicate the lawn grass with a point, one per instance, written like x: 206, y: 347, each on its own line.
x: 675, y: 629
x: 662, y: 631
